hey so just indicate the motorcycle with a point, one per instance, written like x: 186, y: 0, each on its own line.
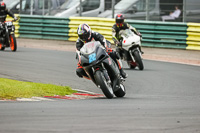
x: 131, y: 52
x: 101, y: 69
x: 7, y: 36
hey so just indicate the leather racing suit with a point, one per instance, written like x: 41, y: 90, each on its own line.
x: 98, y: 37
x: 117, y: 39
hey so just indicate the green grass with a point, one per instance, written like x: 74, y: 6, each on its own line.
x: 12, y: 89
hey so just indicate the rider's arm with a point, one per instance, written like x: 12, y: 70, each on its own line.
x: 134, y: 30
x: 114, y: 38
x: 9, y: 13
x: 98, y: 37
x: 79, y: 44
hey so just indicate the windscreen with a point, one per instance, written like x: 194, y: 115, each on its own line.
x: 127, y: 33
x: 89, y: 47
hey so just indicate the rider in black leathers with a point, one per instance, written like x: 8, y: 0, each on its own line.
x: 86, y: 35
x: 121, y: 25
x: 3, y: 14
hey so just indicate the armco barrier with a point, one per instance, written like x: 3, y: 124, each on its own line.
x: 162, y: 34
x: 43, y: 27
x: 101, y: 25
x: 193, y: 39
x: 155, y: 34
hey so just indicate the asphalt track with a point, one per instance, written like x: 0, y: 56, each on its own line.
x: 164, y: 98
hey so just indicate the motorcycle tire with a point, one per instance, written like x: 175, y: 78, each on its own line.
x: 105, y: 87
x: 13, y: 43
x: 120, y: 92
x: 1, y: 47
x: 138, y: 59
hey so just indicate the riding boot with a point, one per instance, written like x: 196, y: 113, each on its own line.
x: 141, y: 50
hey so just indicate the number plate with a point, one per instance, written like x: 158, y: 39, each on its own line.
x: 8, y: 23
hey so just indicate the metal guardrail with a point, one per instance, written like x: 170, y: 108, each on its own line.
x: 162, y: 34
x: 101, y: 25
x: 43, y: 27
x: 193, y: 39
x: 155, y: 34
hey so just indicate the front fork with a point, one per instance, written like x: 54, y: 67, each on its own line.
x: 107, y: 77
x: 131, y: 53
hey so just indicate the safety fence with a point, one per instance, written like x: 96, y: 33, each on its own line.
x: 155, y: 34
x: 193, y: 38
x: 160, y: 34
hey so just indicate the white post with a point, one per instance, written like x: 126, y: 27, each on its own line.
x: 31, y: 7
x: 113, y: 8
x: 147, y: 10
x: 43, y: 8
x: 184, y: 10
x: 80, y: 8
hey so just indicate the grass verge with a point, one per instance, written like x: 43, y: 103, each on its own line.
x: 12, y: 89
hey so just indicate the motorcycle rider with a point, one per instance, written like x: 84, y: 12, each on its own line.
x: 4, y: 12
x: 121, y: 25
x: 87, y: 35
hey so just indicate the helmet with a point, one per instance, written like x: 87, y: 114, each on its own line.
x: 119, y: 19
x: 2, y: 6
x: 84, y: 32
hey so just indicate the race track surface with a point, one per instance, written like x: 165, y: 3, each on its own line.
x: 163, y: 98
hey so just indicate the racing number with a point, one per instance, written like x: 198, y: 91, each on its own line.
x: 92, y: 57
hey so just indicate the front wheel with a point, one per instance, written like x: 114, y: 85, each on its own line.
x: 138, y: 59
x: 104, y: 85
x: 1, y: 47
x: 13, y: 43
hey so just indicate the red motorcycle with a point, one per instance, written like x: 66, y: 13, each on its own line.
x: 7, y: 36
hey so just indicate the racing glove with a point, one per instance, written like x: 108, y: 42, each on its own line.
x: 119, y: 44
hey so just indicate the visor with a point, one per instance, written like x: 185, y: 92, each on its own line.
x: 84, y: 37
x: 119, y: 21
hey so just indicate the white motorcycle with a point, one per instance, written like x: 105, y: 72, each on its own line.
x: 131, y: 52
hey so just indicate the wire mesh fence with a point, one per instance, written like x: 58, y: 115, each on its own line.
x: 150, y: 10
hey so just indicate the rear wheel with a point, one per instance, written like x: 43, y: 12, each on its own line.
x: 121, y: 91
x: 1, y: 47
x: 13, y: 43
x: 104, y: 85
x: 138, y: 59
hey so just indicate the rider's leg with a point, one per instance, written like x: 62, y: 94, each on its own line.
x: 121, y: 69
x: 115, y: 56
x: 119, y: 51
